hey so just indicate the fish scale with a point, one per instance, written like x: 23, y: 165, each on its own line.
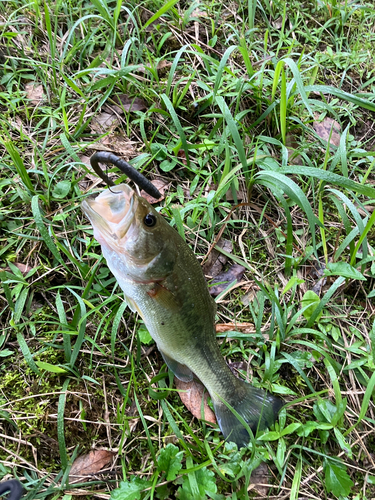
x: 163, y: 281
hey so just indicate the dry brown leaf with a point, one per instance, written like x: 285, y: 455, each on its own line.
x: 34, y: 93
x: 320, y: 279
x: 323, y: 129
x: 224, y: 279
x: 241, y: 195
x: 199, y: 13
x: 85, y: 160
x: 260, y: 476
x: 162, y: 67
x: 117, y: 143
x: 89, y: 464
x: 161, y: 185
x: 192, y: 398
x: 237, y: 327
x: 130, y: 103
x: 292, y: 145
x: 22, y: 267
x: 216, y: 260
x: 250, y: 295
x: 182, y: 155
x: 104, y: 121
x: 236, y: 366
x: 277, y: 23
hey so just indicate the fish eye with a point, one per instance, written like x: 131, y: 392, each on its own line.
x: 149, y: 220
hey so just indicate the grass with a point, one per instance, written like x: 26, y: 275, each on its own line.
x: 230, y: 95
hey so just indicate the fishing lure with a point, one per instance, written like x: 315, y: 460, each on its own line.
x: 124, y: 166
x: 14, y: 487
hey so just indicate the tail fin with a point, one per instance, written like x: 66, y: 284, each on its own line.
x: 258, y: 408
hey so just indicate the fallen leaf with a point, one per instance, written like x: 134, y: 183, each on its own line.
x: 117, y: 143
x: 236, y: 366
x: 234, y: 273
x: 130, y: 103
x: 22, y: 267
x: 323, y: 129
x: 250, y: 295
x: 104, y: 121
x: 192, y: 398
x: 161, y: 185
x: 317, y: 272
x: 241, y: 195
x: 34, y: 93
x: 89, y: 464
x: 216, y: 260
x: 236, y: 327
x: 292, y: 146
x: 163, y: 66
x: 182, y: 155
x: 277, y: 23
x: 199, y: 13
x: 260, y: 476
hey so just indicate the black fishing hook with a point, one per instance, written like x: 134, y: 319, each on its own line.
x: 14, y: 487
x: 124, y: 166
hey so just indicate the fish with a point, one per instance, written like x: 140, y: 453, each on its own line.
x: 163, y: 281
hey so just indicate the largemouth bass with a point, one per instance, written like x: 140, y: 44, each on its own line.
x: 163, y: 281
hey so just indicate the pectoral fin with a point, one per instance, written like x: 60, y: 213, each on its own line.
x: 181, y: 371
x: 133, y: 306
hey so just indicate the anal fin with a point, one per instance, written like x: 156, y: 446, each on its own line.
x: 181, y: 371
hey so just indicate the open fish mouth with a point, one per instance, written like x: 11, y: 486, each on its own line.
x: 111, y: 212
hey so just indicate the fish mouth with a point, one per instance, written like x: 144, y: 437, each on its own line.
x: 111, y: 212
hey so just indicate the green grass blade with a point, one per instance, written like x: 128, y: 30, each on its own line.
x: 27, y: 354
x: 233, y: 129
x: 160, y: 13
x: 18, y: 163
x: 43, y: 230
x: 368, y: 227
x: 178, y: 126
x: 341, y: 94
x: 283, y: 106
x: 331, y: 178
x: 276, y: 180
x: 60, y: 425
x: 63, y: 322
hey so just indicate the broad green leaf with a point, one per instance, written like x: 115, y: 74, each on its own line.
x: 169, y: 461
x: 144, y: 335
x: 61, y: 189
x: 343, y: 444
x: 206, y: 482
x: 337, y: 480
x: 308, y: 427
x: 270, y: 436
x: 50, y: 368
x: 310, y: 298
x: 6, y: 352
x: 167, y: 165
x: 343, y: 269
x: 290, y: 428
x: 130, y: 490
x: 293, y: 281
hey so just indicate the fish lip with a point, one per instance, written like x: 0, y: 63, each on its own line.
x: 114, y: 231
